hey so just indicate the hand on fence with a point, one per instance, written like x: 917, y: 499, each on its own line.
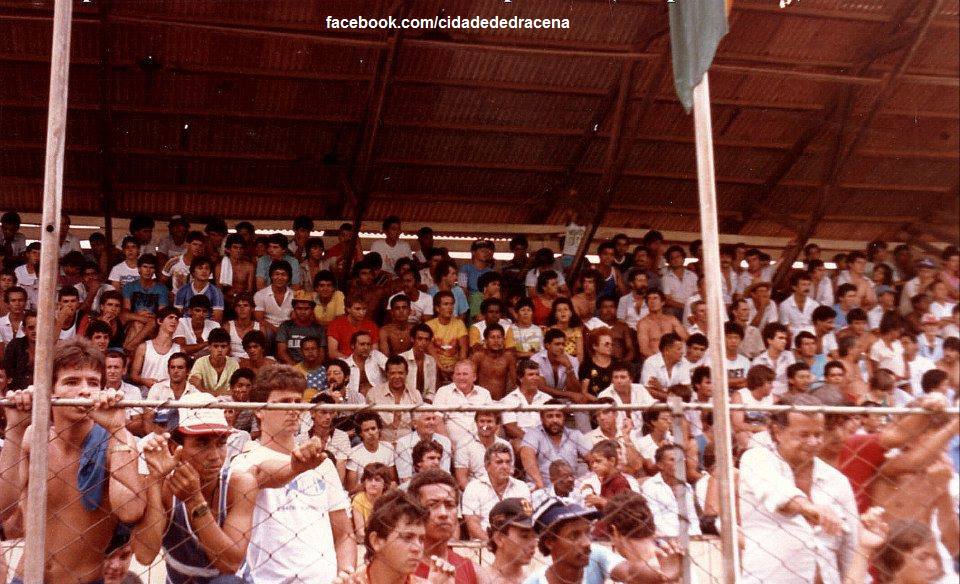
x: 874, y: 530
x: 18, y: 416
x: 184, y: 482
x: 105, y: 413
x: 156, y: 451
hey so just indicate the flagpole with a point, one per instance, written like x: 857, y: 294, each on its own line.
x: 709, y: 232
x: 34, y: 556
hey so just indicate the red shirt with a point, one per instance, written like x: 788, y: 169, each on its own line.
x: 341, y: 330
x: 613, y: 485
x: 465, y: 572
x: 859, y: 460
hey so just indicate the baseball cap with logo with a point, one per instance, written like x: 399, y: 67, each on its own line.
x: 303, y: 296
x: 512, y: 511
x: 201, y: 420
x: 552, y: 511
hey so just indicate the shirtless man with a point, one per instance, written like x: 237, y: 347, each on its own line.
x: 623, y: 336
x: 950, y: 363
x: 235, y: 274
x: 656, y: 324
x: 83, y: 508
x: 496, y: 367
x: 395, y: 336
x: 856, y: 275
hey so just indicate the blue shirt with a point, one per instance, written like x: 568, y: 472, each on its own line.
x: 470, y: 275
x: 185, y: 293
x: 461, y: 304
x: 841, y: 319
x: 602, y: 562
x: 263, y: 268
x: 151, y: 299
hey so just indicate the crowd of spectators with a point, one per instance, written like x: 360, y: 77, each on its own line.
x: 231, y: 315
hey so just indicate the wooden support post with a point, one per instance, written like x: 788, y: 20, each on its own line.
x: 36, y: 516
x: 105, y: 123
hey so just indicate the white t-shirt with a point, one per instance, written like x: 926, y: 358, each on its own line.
x: 888, y: 357
x: 738, y: 367
x: 292, y: 540
x: 422, y: 306
x: 361, y: 457
x: 123, y: 273
x: 389, y: 254
x: 185, y: 330
x: 274, y: 312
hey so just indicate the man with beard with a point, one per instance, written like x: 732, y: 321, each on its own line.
x: 436, y: 490
x: 198, y: 511
x: 551, y: 441
x: 512, y: 541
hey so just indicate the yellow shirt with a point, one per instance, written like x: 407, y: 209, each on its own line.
x: 476, y: 337
x: 212, y: 383
x: 445, y: 338
x: 361, y: 504
x: 332, y: 310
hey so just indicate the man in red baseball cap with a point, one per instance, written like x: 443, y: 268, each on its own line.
x: 199, y: 512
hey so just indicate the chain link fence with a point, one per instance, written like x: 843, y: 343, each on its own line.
x: 215, y: 487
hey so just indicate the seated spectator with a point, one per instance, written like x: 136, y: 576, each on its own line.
x: 489, y: 285
x: 763, y: 310
x: 511, y: 538
x: 678, y: 283
x: 631, y: 527
x: 461, y: 426
x: 750, y: 427
x: 274, y: 303
x: 255, y: 346
x: 930, y: 341
x: 824, y: 319
x: 563, y: 318
x: 623, y: 337
x: 605, y: 479
x: 805, y: 348
x: 847, y: 300
x: 330, y: 301
x: 516, y: 423
x: 194, y: 329
x: 334, y: 440
x: 142, y: 298
x: 395, y: 335
x: 915, y: 363
x: 234, y: 273
x: 547, y: 291
x: 449, y: 334
x: 277, y: 252
x: 494, y: 364
x: 240, y: 384
x: 300, y: 326
x: 313, y: 366
x: 797, y: 310
x: 550, y: 441
x: 370, y: 449
x: 241, y: 324
x: 150, y: 359
x: 752, y: 342
x: 212, y: 373
x: 426, y: 455
x: 696, y: 351
x: 342, y: 329
x: 312, y: 262
x: 585, y: 301
x: 122, y: 273
x: 394, y: 390
x: 491, y: 311
x: 176, y: 272
x: 98, y: 332
x: 175, y: 386
x: 425, y: 426
x: 436, y: 491
x: 422, y: 372
x: 631, y: 307
x: 110, y: 316
x: 13, y: 243
x: 776, y: 338
x: 201, y: 269
x: 367, y: 365
x: 652, y: 327
x: 115, y: 364
x: 527, y: 335
x: 469, y: 461
x: 559, y: 369
x: 607, y: 429
x: 11, y: 324
x: 665, y: 368
x: 376, y: 479
x: 887, y: 352
x: 446, y: 279
x: 595, y: 371
x: 754, y: 273
x: 654, y: 433
x: 623, y: 391
x: 68, y: 313
x: 887, y: 302
x: 482, y: 493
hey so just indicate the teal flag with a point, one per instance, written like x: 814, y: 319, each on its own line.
x: 696, y: 27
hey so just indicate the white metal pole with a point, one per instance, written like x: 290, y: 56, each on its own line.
x: 709, y: 232
x: 34, y: 553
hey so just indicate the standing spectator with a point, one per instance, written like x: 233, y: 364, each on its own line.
x: 605, y: 479
x: 785, y: 494
x: 301, y: 526
x: 391, y: 248
x: 334, y: 440
x: 481, y: 494
x: 300, y: 326
x: 610, y: 282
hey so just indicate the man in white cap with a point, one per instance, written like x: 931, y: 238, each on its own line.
x: 199, y: 512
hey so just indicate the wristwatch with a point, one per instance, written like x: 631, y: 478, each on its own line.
x: 200, y: 510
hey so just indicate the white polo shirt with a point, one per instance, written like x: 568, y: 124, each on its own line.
x: 480, y: 497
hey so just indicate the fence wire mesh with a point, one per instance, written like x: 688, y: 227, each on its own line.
x: 196, y: 488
